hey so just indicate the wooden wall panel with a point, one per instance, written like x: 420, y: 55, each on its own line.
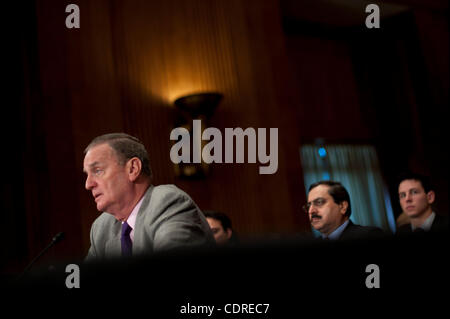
x: 329, y: 95
x: 181, y: 47
x: 122, y: 71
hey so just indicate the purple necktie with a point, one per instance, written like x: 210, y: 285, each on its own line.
x: 126, y: 240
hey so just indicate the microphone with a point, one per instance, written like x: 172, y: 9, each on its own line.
x: 56, y: 239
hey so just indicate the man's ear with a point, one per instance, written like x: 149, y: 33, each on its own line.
x: 343, y: 207
x: 431, y: 197
x: 229, y: 233
x: 134, y: 168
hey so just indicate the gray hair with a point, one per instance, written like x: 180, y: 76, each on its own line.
x: 126, y: 147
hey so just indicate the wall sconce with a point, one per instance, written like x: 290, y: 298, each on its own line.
x: 195, y: 107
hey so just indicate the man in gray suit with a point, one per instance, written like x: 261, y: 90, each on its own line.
x: 138, y: 218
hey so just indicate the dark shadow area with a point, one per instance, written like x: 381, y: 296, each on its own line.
x: 291, y: 276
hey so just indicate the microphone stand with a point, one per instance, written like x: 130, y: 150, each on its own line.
x: 58, y: 237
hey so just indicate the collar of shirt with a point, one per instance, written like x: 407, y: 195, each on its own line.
x: 427, y: 223
x: 132, y: 218
x: 337, y: 232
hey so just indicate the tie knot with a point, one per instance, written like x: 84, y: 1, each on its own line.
x: 126, y: 229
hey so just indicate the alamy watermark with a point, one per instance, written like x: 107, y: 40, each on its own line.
x: 373, y: 279
x: 73, y: 19
x: 73, y: 277
x: 373, y: 19
x: 213, y: 152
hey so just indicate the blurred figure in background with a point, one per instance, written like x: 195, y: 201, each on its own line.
x: 221, y: 227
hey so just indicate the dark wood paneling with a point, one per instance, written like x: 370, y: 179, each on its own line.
x: 122, y: 70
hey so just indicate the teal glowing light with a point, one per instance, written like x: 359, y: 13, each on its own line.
x: 322, y: 152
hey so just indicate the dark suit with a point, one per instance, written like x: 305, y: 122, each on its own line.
x: 440, y: 224
x: 353, y: 231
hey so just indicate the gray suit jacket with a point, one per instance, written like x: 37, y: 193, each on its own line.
x: 168, y: 218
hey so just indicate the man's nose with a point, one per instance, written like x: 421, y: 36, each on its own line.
x: 90, y: 183
x: 408, y: 197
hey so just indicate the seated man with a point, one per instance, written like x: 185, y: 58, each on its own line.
x: 416, y: 197
x: 221, y: 227
x: 138, y: 218
x: 329, y: 209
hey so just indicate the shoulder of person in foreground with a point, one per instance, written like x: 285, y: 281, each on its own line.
x: 173, y: 220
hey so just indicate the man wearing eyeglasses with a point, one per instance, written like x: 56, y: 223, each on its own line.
x: 416, y: 197
x: 329, y: 210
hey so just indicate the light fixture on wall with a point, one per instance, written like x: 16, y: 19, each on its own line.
x: 191, y: 107
x: 199, y: 105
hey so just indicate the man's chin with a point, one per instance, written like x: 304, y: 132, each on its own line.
x: 316, y: 226
x: 412, y: 214
x: 315, y: 223
x: 100, y: 207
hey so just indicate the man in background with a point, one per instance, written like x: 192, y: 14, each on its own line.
x: 221, y: 228
x: 416, y: 197
x: 329, y: 211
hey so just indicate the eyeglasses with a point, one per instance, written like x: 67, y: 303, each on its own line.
x: 318, y: 202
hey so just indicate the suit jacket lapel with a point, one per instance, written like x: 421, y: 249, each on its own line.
x: 139, y: 231
x: 113, y: 246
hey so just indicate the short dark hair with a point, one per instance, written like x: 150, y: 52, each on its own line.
x: 337, y: 191
x: 221, y: 217
x: 126, y: 147
x: 424, y: 180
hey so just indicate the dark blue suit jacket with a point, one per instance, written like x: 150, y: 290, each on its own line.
x: 353, y: 231
x: 440, y: 224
